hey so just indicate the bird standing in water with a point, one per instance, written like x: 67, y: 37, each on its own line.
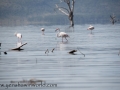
x: 18, y: 35
x: 43, y: 29
x: 62, y: 34
x: 90, y: 28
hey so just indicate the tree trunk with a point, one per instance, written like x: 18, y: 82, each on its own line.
x: 71, y: 19
x: 69, y: 11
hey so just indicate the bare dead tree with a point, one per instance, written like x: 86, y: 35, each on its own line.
x: 113, y: 19
x: 68, y: 11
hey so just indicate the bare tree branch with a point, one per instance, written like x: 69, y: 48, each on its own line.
x: 65, y: 9
x: 62, y: 9
x: 69, y: 11
x: 73, y: 2
x: 67, y: 1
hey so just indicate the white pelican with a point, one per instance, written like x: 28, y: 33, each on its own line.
x: 62, y: 34
x: 90, y: 28
x: 18, y: 35
x: 43, y: 29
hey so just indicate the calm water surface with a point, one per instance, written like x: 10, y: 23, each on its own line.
x: 98, y: 70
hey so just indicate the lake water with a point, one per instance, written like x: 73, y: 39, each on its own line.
x: 98, y: 70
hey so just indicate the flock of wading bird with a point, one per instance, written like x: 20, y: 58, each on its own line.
x: 59, y: 34
x: 63, y: 35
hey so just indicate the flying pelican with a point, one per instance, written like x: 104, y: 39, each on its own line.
x: 43, y: 29
x: 90, y: 28
x: 18, y: 35
x: 62, y: 34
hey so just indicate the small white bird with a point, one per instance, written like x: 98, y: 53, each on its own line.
x: 62, y: 34
x: 43, y: 29
x: 18, y: 35
x: 90, y: 28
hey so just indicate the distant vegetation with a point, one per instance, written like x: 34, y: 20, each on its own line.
x: 41, y: 12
